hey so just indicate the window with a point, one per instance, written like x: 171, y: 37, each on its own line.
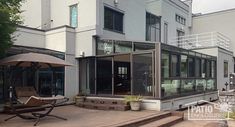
x: 113, y: 20
x: 175, y: 69
x: 87, y: 75
x: 152, y: 27
x: 191, y: 69
x: 183, y: 66
x: 198, y: 67
x: 203, y: 67
x: 73, y: 16
x: 180, y: 19
x: 165, y: 33
x: 165, y: 65
x: 142, y: 74
x: 180, y: 35
x: 213, y: 69
x: 122, y: 47
x: 225, y: 69
x: 208, y: 69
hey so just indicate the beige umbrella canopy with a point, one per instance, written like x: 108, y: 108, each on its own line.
x: 26, y: 60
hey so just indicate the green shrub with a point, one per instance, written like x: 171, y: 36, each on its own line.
x: 130, y: 98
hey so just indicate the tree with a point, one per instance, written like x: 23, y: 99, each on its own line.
x: 9, y: 20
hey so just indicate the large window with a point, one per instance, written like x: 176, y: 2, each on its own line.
x: 142, y: 74
x: 113, y: 20
x: 190, y: 73
x: 104, y: 75
x: 165, y: 32
x: 165, y: 62
x: 73, y: 16
x: 203, y: 67
x: 197, y: 67
x: 180, y: 19
x: 170, y: 88
x: 191, y: 67
x: 213, y: 69
x: 226, y: 69
x: 122, y: 74
x: 183, y: 66
x: 175, y: 69
x: 152, y: 27
x: 87, y: 76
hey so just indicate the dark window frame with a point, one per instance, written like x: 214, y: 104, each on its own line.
x: 149, y: 25
x: 194, y: 56
x: 114, y: 15
x: 226, y: 73
x: 180, y: 19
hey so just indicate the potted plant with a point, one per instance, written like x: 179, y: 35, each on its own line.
x: 134, y: 101
x: 80, y: 98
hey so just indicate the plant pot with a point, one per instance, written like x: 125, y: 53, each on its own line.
x: 79, y: 99
x: 135, y: 105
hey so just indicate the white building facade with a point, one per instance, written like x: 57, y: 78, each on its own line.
x: 83, y: 30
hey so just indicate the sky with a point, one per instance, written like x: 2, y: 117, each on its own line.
x: 208, y: 6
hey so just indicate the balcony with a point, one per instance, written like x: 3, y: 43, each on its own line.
x: 203, y: 40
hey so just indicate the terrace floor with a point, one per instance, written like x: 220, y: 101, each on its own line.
x: 79, y: 117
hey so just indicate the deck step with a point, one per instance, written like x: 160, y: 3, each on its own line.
x: 165, y: 122
x: 143, y: 120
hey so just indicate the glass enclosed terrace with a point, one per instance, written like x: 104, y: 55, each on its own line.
x: 153, y: 70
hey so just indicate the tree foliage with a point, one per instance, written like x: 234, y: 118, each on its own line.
x: 9, y: 19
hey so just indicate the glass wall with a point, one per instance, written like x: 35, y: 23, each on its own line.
x: 46, y: 86
x: 104, y: 75
x: 116, y: 62
x: 142, y: 74
x: 41, y: 80
x: 190, y: 72
x: 122, y: 75
x: 87, y: 76
x: 183, y: 66
x: 107, y: 47
x: 165, y: 61
x: 175, y: 62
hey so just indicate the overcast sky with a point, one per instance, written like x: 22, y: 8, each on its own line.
x: 207, y: 6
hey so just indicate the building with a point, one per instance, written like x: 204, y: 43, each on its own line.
x: 222, y: 22
x: 119, y: 47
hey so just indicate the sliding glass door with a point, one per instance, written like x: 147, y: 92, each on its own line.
x: 122, y: 74
x: 104, y: 75
x: 143, y: 74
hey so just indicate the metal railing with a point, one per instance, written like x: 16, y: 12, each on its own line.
x: 203, y: 40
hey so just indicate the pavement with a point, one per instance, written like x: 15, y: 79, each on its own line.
x: 79, y: 117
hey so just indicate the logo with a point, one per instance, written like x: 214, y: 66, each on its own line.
x: 221, y: 110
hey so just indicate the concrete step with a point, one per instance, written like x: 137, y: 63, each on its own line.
x: 165, y: 122
x: 144, y: 120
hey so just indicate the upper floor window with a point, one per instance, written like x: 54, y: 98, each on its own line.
x: 225, y: 69
x: 113, y: 20
x: 73, y: 16
x: 152, y: 27
x: 180, y: 19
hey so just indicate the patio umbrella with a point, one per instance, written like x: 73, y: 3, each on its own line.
x: 26, y: 60
x: 35, y: 61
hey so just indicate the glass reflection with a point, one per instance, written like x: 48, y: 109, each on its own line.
x: 170, y: 88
